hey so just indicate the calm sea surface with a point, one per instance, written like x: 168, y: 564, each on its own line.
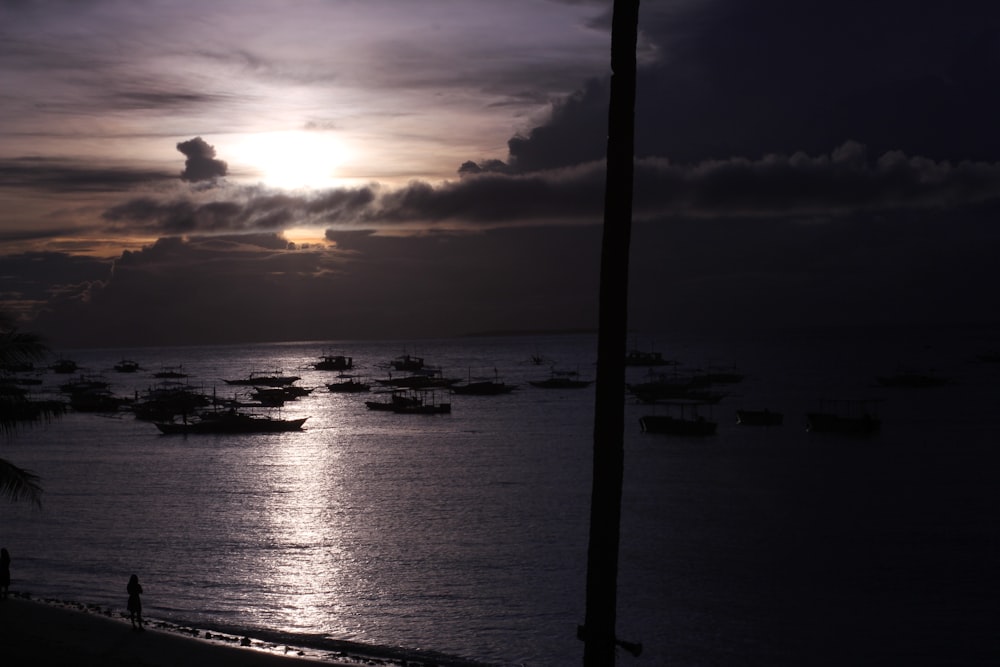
x: 466, y: 534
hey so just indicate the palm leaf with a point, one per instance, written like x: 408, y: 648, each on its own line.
x: 18, y: 484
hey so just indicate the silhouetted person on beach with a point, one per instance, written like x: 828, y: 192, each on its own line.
x: 4, y: 572
x: 134, y: 603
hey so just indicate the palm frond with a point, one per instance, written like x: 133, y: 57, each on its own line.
x: 18, y: 347
x: 16, y: 409
x: 18, y: 484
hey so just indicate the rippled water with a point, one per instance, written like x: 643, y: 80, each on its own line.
x: 467, y: 533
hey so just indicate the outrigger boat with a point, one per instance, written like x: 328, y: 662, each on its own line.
x: 334, y: 362
x: 230, y: 421
x: 562, y: 380
x: 127, y: 366
x: 407, y: 362
x: 272, y: 380
x: 413, y: 403
x: 348, y: 385
x: 846, y: 416
x: 483, y: 386
x: 686, y: 422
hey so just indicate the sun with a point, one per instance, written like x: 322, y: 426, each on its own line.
x: 293, y: 159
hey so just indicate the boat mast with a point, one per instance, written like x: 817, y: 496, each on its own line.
x: 598, y: 631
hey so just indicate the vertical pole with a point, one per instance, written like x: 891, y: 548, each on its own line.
x: 598, y: 632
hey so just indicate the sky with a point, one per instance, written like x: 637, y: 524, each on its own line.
x: 180, y: 172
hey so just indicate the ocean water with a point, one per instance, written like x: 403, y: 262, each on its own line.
x: 466, y: 534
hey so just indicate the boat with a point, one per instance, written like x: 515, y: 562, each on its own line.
x: 231, y: 421
x: 169, y: 399
x: 407, y: 362
x: 170, y: 373
x: 259, y: 380
x: 641, y: 358
x: 84, y: 383
x: 483, y: 386
x: 348, y: 385
x: 395, y: 401
x: 423, y: 408
x: 334, y: 362
x: 763, y: 417
x: 277, y: 396
x: 413, y: 403
x: 661, y: 388
x: 846, y: 416
x: 687, y: 421
x: 423, y: 379
x: 127, y: 366
x: 562, y: 380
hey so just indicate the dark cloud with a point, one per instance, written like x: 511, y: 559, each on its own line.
x: 214, y: 289
x: 746, y: 79
x: 842, y: 182
x: 67, y: 176
x: 201, y: 164
x: 248, y: 209
x: 686, y: 272
x: 38, y: 282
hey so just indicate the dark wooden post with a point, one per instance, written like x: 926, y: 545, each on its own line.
x: 598, y: 632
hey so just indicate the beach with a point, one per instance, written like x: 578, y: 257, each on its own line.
x: 59, y: 633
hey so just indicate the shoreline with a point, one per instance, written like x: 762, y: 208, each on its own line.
x: 55, y: 632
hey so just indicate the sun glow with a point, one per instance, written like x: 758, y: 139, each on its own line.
x: 294, y: 159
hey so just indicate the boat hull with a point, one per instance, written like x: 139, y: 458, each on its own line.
x: 244, y: 424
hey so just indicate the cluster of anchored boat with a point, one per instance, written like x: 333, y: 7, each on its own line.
x: 685, y: 397
x: 411, y: 387
x: 175, y: 406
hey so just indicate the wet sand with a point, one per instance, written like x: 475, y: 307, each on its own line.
x: 50, y: 633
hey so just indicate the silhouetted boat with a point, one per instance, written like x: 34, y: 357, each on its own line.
x: 483, y: 387
x: 127, y: 366
x: 704, y: 378
x: 168, y: 399
x: 411, y: 404
x: 84, y: 383
x: 170, y: 373
x: 423, y: 379
x: 562, y: 380
x: 334, y: 362
x: 348, y: 385
x: 407, y: 362
x: 847, y: 416
x: 259, y: 380
x: 660, y: 388
x: 277, y: 396
x: 640, y: 358
x: 395, y: 400
x: 687, y: 421
x: 759, y: 418
x: 231, y: 421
